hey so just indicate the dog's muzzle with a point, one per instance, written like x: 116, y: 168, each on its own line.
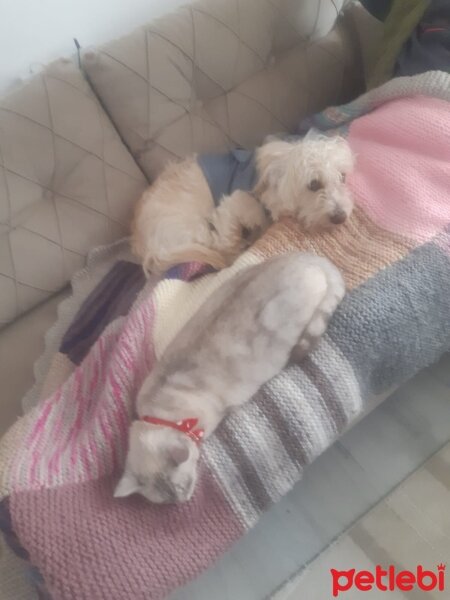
x: 338, y: 217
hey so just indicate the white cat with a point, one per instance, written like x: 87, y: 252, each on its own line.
x: 243, y: 336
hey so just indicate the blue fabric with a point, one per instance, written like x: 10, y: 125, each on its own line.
x: 228, y: 172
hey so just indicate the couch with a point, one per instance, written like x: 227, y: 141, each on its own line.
x: 79, y: 143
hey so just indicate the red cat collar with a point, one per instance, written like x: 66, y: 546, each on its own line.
x: 186, y: 426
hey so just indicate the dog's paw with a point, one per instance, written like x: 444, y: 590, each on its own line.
x: 247, y: 210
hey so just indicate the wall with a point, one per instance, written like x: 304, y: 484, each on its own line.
x: 34, y: 32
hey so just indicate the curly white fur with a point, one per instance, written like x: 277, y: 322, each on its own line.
x: 290, y: 172
x: 176, y: 221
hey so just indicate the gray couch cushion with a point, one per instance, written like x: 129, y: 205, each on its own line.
x: 221, y: 73
x: 67, y: 183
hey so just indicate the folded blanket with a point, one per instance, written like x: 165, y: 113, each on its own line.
x: 59, y: 463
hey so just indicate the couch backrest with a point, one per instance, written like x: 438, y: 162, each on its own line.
x: 220, y: 73
x: 67, y: 184
x: 214, y: 74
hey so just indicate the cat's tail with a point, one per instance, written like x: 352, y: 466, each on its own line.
x: 192, y: 253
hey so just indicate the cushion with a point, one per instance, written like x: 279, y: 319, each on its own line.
x: 67, y: 183
x: 217, y: 74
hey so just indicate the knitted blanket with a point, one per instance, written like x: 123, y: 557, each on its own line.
x: 60, y: 462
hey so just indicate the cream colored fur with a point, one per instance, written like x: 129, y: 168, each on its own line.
x: 287, y: 170
x: 176, y: 220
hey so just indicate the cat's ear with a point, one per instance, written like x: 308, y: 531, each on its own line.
x: 127, y: 485
x: 179, y: 453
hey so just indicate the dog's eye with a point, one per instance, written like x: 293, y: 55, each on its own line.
x: 343, y: 177
x: 246, y: 233
x: 315, y: 185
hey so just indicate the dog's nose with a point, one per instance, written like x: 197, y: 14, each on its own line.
x: 338, y: 217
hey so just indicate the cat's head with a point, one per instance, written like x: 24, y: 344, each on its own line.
x: 161, y: 465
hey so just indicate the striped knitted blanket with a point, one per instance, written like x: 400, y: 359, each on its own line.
x: 60, y: 462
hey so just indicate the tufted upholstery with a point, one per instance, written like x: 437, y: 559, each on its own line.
x: 67, y: 183
x: 221, y: 73
x: 214, y: 74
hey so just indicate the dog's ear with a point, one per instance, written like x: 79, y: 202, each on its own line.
x: 315, y: 134
x: 269, y: 164
x: 274, y: 137
x: 344, y: 154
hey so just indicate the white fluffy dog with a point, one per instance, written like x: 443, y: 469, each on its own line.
x: 177, y: 221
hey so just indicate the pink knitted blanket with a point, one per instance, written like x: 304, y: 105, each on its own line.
x: 60, y: 462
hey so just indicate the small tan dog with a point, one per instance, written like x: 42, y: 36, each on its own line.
x: 177, y: 221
